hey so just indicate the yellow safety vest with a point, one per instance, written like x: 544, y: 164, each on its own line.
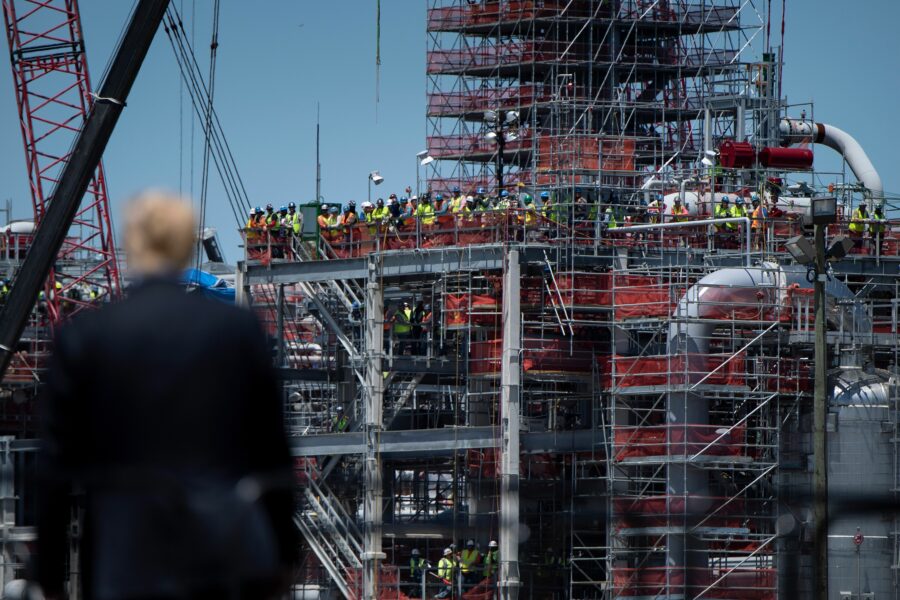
x: 856, y: 222
x: 724, y: 212
x: 878, y: 225
x: 404, y: 320
x: 680, y: 213
x: 490, y: 562
x: 380, y: 213
x: 468, y: 559
x: 445, y: 569
x: 425, y: 213
x: 296, y: 222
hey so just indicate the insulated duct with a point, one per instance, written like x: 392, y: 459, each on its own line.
x: 795, y: 131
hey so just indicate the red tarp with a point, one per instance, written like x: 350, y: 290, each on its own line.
x: 631, y: 371
x: 484, y: 310
x: 678, y: 440
x: 538, y: 355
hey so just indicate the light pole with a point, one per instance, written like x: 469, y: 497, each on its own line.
x: 503, y: 122
x: 823, y: 210
x: 375, y: 178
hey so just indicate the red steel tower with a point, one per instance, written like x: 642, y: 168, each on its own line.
x: 53, y: 93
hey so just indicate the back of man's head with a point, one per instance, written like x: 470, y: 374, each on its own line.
x: 160, y: 233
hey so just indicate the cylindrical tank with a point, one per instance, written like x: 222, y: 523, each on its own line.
x: 736, y: 155
x: 861, y: 465
x: 786, y: 158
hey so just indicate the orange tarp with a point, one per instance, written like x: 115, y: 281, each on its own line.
x: 632, y: 371
x: 678, y: 440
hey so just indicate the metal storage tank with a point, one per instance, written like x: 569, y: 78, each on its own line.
x: 861, y: 425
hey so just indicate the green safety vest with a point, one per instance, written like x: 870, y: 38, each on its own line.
x: 724, y: 212
x: 379, y: 214
x: 445, y: 569
x: 611, y: 221
x: 490, y: 562
x: 296, y: 221
x: 468, y: 560
x: 340, y: 423
x: 404, y: 320
x: 856, y: 224
x: 877, y: 227
x: 425, y: 213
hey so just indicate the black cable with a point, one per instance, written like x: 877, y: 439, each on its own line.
x: 204, y: 185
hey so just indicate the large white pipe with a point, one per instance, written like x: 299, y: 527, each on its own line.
x: 794, y: 131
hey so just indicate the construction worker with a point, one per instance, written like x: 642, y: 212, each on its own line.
x: 403, y: 326
x: 441, y: 207
x: 609, y: 218
x: 295, y: 219
x: 858, y: 224
x: 656, y: 208
x: 457, y: 201
x: 322, y: 219
x: 445, y: 570
x: 548, y: 208
x: 4, y: 290
x: 491, y: 559
x: 723, y: 211
x: 339, y: 422
x: 758, y: 216
x: 350, y: 218
x: 252, y: 219
x: 876, y: 228
x: 271, y: 218
x: 679, y: 211
x: 417, y: 568
x: 425, y: 212
x: 380, y: 212
x: 738, y: 210
x: 468, y: 563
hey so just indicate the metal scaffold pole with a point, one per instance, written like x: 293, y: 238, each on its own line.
x: 509, y: 581
x: 374, y: 318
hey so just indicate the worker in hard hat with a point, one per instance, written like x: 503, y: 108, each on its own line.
x: 271, y: 217
x: 469, y: 563
x: 418, y: 566
x: 445, y: 570
x: 340, y: 423
x: 295, y: 218
x: 723, y: 211
x: 425, y: 213
x: 491, y: 559
x: 758, y: 216
x: 858, y: 224
x: 402, y: 321
x: 877, y: 227
x: 739, y: 209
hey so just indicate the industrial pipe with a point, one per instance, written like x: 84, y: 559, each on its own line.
x: 744, y: 221
x: 794, y: 131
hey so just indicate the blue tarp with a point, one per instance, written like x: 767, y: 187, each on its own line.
x: 209, y: 285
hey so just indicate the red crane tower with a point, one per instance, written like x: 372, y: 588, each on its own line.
x: 53, y: 93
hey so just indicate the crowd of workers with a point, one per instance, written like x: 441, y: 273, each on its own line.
x: 460, y: 570
x: 536, y: 217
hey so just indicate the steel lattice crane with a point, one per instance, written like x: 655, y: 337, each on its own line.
x: 53, y: 93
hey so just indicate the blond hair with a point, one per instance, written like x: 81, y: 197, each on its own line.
x: 160, y: 232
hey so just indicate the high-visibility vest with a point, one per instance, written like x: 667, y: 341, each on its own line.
x: 878, y: 225
x: 856, y: 222
x: 680, y: 213
x: 723, y: 212
x: 322, y: 220
x: 340, y: 423
x: 332, y: 220
x: 610, y: 218
x: 425, y: 213
x: 416, y: 566
x: 653, y: 211
x: 271, y: 220
x: 403, y: 322
x: 380, y: 213
x: 758, y: 214
x: 530, y: 215
x: 445, y: 569
x: 468, y: 560
x: 490, y: 562
x: 738, y: 210
x: 296, y: 222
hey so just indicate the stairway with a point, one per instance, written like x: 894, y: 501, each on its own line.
x: 331, y: 533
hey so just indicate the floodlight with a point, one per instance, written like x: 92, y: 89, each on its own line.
x: 376, y: 178
x: 801, y: 249
x: 426, y: 161
x: 706, y: 161
x: 839, y: 248
x: 491, y: 136
x: 490, y: 116
x: 421, y: 155
x: 823, y: 210
x: 511, y: 116
x: 709, y: 158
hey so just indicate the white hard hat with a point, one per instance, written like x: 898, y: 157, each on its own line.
x: 324, y: 207
x: 367, y: 204
x: 447, y: 552
x: 415, y: 552
x: 493, y: 544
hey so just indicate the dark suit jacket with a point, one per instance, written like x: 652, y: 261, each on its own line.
x: 156, y: 407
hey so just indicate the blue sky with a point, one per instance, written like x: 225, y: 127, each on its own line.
x: 277, y: 59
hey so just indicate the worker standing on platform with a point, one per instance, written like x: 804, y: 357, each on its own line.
x: 417, y: 568
x: 403, y: 327
x: 445, y: 570
x: 758, y: 222
x: 380, y: 212
x: 457, y: 201
x: 470, y: 558
x: 723, y: 211
x: 339, y: 422
x: 679, y: 211
x: 655, y: 209
x: 271, y: 218
x: 322, y: 219
x: 296, y: 219
x: 491, y: 559
x: 425, y: 213
x: 876, y: 228
x: 738, y: 210
x: 858, y: 224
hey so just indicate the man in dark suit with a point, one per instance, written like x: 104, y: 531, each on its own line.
x: 163, y: 410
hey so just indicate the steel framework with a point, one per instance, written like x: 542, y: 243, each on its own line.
x: 54, y: 96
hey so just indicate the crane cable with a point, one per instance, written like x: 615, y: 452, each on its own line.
x: 204, y: 182
x: 222, y: 156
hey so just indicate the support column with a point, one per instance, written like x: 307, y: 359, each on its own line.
x: 279, y: 324
x: 820, y: 412
x: 241, y: 289
x: 7, y: 506
x: 508, y: 581
x: 374, y: 398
